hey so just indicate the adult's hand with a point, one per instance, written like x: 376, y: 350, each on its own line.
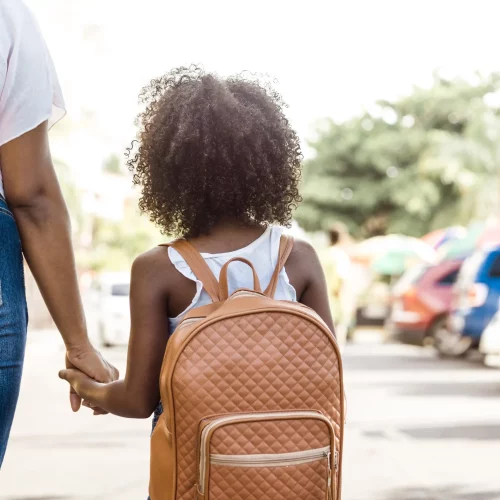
x: 90, y: 361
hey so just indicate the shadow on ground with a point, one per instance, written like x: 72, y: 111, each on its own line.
x: 476, y: 432
x: 449, y: 493
x: 480, y: 389
x: 110, y: 439
x: 405, y: 362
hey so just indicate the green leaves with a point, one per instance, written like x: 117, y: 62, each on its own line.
x: 410, y: 165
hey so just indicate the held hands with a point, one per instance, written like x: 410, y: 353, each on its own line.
x: 85, y: 368
x: 82, y: 386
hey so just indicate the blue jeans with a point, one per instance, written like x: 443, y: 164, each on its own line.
x: 13, y: 321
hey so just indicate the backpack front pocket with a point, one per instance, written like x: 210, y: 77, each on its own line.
x: 267, y: 456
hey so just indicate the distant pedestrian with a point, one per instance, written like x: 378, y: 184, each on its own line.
x: 338, y: 272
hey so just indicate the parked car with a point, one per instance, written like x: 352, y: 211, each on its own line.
x: 421, y: 301
x: 475, y: 302
x: 373, y: 304
x: 111, y: 308
x: 489, y: 344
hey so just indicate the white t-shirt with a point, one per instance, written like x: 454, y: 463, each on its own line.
x: 29, y: 89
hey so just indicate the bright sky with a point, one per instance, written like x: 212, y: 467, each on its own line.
x: 331, y: 58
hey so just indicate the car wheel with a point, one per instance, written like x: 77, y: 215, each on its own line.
x: 102, y: 336
x: 449, y: 344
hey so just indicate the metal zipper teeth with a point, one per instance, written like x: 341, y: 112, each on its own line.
x: 254, y: 416
x: 271, y: 460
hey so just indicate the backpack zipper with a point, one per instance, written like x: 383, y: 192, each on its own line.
x: 207, y: 431
x: 272, y: 459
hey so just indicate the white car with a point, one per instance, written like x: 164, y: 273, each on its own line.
x: 489, y: 344
x: 111, y: 309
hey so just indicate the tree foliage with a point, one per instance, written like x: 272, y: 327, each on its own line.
x: 115, y: 244
x: 101, y: 243
x: 411, y: 165
x: 113, y: 165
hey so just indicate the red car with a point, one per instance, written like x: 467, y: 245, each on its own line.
x: 421, y: 301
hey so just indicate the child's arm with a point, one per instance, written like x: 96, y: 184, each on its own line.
x: 138, y: 394
x: 315, y: 292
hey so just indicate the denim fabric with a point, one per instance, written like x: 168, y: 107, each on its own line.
x: 157, y: 415
x: 13, y: 321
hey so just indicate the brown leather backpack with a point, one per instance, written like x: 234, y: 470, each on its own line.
x: 253, y: 398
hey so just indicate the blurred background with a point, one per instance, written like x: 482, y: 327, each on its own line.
x: 397, y: 105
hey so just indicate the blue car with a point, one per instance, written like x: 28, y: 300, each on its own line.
x: 476, y: 296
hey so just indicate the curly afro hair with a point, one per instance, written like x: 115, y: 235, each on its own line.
x: 209, y: 149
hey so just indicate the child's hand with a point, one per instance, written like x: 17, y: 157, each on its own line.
x: 84, y: 386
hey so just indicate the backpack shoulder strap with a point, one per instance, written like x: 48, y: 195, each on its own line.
x: 198, y: 265
x: 286, y: 246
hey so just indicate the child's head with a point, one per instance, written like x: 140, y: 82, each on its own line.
x: 211, y: 149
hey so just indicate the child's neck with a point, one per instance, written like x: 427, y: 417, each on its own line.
x: 227, y: 236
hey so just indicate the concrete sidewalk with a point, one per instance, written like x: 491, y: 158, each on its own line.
x: 418, y: 428
x: 55, y: 454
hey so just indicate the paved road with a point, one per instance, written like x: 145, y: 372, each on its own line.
x: 418, y: 428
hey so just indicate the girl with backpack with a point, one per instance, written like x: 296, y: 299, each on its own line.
x: 219, y: 166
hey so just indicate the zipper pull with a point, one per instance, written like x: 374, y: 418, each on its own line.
x: 329, y: 481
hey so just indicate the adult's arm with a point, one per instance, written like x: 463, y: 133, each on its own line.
x: 34, y: 196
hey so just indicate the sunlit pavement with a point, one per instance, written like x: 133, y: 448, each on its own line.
x: 418, y: 428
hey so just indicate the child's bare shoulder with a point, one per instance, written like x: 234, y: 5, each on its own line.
x: 154, y: 265
x: 303, y: 253
x: 303, y: 266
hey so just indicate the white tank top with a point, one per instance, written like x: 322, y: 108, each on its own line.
x: 263, y: 253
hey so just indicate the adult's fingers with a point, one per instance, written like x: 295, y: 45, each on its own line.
x: 74, y: 399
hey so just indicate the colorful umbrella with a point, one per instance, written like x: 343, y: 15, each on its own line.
x: 392, y: 263
x: 441, y: 236
x: 479, y: 234
x: 392, y: 254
